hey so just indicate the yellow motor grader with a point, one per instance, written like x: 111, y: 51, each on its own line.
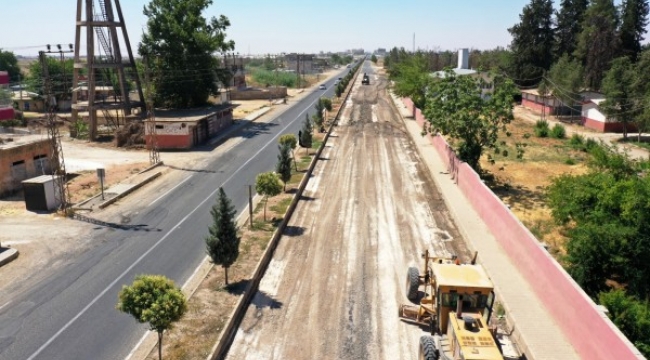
x: 456, y: 304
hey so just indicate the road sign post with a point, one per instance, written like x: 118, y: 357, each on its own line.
x: 101, y: 174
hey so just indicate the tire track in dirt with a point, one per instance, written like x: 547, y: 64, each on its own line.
x: 370, y: 210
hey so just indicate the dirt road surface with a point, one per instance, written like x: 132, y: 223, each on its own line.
x: 334, y: 285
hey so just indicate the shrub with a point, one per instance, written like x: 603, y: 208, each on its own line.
x: 558, y: 132
x: 576, y: 140
x: 590, y: 144
x: 570, y: 161
x: 541, y: 128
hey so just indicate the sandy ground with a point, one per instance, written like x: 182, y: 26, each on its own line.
x: 611, y: 139
x: 333, y: 287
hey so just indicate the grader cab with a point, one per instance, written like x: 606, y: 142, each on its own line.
x: 456, y: 304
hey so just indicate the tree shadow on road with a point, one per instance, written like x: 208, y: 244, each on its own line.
x: 238, y: 288
x: 139, y: 227
x: 192, y: 170
x: 262, y: 300
x: 293, y: 231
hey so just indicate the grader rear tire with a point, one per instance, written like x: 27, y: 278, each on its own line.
x: 428, y: 349
x: 412, y: 283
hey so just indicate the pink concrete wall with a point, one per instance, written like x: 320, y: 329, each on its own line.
x: 550, y: 110
x: 592, y: 335
x: 615, y: 127
x: 6, y: 113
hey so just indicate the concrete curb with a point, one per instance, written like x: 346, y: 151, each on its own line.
x: 130, y: 190
x: 159, y: 163
x: 8, y: 256
x: 220, y: 350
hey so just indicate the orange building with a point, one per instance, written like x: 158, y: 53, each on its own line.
x: 184, y: 129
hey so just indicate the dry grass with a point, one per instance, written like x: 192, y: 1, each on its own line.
x: 87, y: 185
x: 521, y: 183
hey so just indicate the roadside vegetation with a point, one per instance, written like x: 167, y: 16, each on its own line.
x: 211, y: 305
x: 587, y: 202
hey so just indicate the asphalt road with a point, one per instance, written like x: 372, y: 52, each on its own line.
x: 71, y: 313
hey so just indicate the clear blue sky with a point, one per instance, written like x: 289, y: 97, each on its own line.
x: 260, y: 26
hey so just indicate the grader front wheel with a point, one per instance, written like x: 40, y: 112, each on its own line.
x: 428, y: 349
x: 412, y: 283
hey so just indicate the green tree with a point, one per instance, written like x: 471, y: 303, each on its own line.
x: 608, y: 214
x: 619, y: 94
x: 565, y: 80
x: 456, y: 107
x: 373, y: 58
x: 339, y: 90
x: 634, y: 19
x: 305, y: 135
x: 283, y: 166
x: 9, y: 63
x: 569, y: 25
x: 411, y: 79
x: 630, y: 315
x: 322, y: 104
x: 532, y: 42
x: 153, y: 299
x: 178, y: 45
x: 291, y: 141
x: 642, y: 93
x: 269, y: 65
x: 222, y: 241
x: 268, y: 185
x: 60, y: 75
x: 598, y: 43
x: 497, y: 59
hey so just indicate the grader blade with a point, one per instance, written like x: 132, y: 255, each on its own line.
x: 411, y: 314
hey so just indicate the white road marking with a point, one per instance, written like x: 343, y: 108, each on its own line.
x: 7, y: 303
x: 138, y: 260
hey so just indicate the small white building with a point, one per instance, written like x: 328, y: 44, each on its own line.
x: 594, y: 118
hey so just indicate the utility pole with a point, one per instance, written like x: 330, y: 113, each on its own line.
x: 250, y: 204
x: 298, y: 70
x: 154, y: 154
x: 57, y: 163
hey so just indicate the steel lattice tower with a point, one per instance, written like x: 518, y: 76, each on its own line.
x: 101, y: 29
